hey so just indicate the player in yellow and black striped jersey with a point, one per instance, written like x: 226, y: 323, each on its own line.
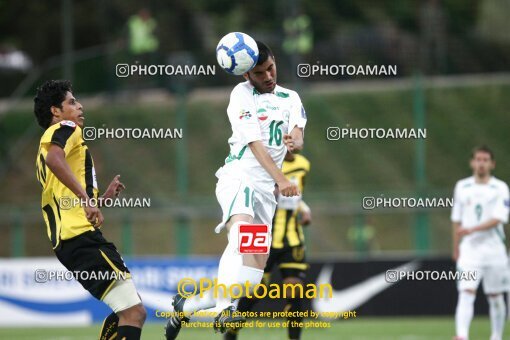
x: 70, y: 221
x: 65, y: 170
x: 288, y: 244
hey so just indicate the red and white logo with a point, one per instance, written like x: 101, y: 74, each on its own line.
x: 262, y: 114
x: 254, y: 239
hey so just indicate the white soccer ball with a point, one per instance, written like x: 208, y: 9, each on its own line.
x: 237, y: 53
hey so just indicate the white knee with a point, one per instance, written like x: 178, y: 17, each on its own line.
x: 466, y: 297
x: 122, y: 296
x: 496, y: 300
x: 233, y: 235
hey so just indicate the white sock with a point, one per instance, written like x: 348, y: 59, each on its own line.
x: 246, y: 274
x: 227, y: 275
x: 230, y: 264
x: 251, y: 275
x: 464, y: 313
x: 497, y: 315
x: 232, y: 271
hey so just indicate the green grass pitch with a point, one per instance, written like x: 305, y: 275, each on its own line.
x: 405, y: 328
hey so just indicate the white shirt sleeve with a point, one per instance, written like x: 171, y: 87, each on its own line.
x: 456, y: 215
x: 242, y: 115
x: 501, y: 209
x: 297, y: 114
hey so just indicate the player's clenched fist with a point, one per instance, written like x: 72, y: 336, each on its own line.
x: 288, y: 189
x: 94, y: 215
x: 289, y: 142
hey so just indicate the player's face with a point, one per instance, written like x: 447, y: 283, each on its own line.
x: 482, y: 164
x: 263, y: 77
x: 71, y: 110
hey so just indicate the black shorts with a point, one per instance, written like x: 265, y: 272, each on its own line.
x: 291, y: 261
x: 92, y: 257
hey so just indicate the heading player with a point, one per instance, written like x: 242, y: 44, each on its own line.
x: 65, y: 170
x: 480, y: 208
x: 267, y: 120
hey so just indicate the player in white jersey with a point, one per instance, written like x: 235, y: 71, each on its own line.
x: 267, y: 120
x: 480, y: 208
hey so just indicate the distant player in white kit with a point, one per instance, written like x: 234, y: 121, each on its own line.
x: 267, y: 120
x: 480, y: 208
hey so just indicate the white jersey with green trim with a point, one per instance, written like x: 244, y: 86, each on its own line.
x: 260, y: 117
x: 476, y: 203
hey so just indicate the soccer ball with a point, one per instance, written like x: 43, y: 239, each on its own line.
x: 237, y: 53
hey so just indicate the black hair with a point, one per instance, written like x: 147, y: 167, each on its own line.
x: 264, y: 52
x: 51, y: 93
x: 482, y: 148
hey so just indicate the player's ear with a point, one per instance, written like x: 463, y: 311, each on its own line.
x: 246, y: 76
x: 55, y: 111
